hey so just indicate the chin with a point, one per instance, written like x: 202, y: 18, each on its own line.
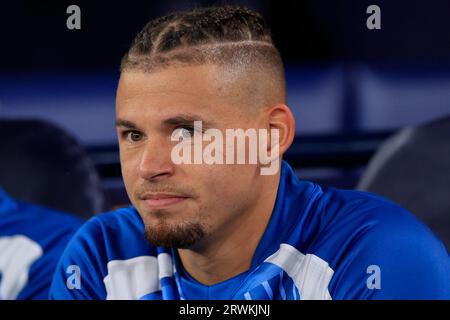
x: 172, y: 234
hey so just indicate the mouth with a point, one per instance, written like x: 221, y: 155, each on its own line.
x: 154, y: 201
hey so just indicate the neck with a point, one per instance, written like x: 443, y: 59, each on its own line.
x: 229, y: 251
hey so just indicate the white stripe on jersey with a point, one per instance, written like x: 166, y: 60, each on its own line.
x: 131, y: 279
x: 311, y: 274
x: 18, y: 253
x: 165, y: 265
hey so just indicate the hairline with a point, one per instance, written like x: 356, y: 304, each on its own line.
x: 248, y: 56
x: 208, y: 53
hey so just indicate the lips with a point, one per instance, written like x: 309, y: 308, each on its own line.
x: 161, y: 200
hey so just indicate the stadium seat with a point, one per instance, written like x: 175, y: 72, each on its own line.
x: 412, y: 168
x: 44, y: 165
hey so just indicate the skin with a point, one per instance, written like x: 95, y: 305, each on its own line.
x: 230, y: 204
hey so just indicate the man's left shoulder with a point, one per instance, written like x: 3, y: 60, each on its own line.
x: 369, y: 216
x: 365, y: 233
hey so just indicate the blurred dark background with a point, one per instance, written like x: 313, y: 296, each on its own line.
x: 350, y: 87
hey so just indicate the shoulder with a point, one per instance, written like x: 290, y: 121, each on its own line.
x: 361, y: 233
x: 101, y: 243
x: 360, y: 213
x: 34, y: 238
x: 23, y: 214
x: 124, y: 218
x: 117, y: 234
x: 52, y: 218
x: 49, y: 229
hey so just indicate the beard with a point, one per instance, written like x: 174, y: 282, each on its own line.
x: 174, y: 235
x: 162, y: 231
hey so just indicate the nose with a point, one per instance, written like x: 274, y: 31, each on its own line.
x: 155, y: 163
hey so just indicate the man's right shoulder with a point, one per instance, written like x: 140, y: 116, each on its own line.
x: 116, y: 232
x: 104, y: 239
x: 125, y: 220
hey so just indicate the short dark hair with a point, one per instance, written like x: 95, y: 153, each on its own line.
x: 217, y: 35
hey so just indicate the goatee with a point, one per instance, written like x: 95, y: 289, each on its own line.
x: 180, y: 236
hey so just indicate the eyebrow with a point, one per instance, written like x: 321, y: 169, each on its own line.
x: 179, y: 120
x: 186, y: 119
x: 125, y: 123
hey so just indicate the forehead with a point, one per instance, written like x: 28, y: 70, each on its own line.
x: 189, y: 84
x: 202, y: 89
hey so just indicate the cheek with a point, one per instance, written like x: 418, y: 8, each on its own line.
x: 225, y: 184
x: 226, y: 193
x: 129, y: 163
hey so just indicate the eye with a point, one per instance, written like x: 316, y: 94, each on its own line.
x: 133, y: 136
x: 186, y: 132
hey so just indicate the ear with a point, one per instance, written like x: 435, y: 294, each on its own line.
x: 280, y: 117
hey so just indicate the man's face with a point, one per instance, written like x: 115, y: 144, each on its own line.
x: 182, y: 204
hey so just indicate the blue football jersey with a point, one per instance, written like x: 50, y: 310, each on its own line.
x: 320, y: 243
x: 32, y: 239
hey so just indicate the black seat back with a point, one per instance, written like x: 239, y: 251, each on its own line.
x: 42, y: 164
x: 412, y: 168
